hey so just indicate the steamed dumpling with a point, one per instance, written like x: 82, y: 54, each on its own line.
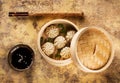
x: 65, y: 53
x: 52, y: 31
x: 48, y: 48
x: 60, y: 42
x: 70, y: 35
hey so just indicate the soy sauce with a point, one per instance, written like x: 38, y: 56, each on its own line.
x: 21, y: 57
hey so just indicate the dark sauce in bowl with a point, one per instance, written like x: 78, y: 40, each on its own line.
x: 21, y: 57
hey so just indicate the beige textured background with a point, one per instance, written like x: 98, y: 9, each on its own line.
x: 102, y: 13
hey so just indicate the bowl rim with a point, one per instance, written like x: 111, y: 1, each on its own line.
x: 55, y: 21
x: 74, y: 49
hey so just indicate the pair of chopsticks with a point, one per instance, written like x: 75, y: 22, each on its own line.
x: 12, y: 14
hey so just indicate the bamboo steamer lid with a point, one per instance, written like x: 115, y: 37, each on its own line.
x: 92, y: 49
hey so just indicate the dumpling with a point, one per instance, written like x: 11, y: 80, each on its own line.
x: 70, y: 35
x: 60, y: 42
x: 48, y: 48
x: 65, y: 53
x: 52, y: 31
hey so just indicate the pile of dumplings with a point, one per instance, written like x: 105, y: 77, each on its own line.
x: 56, y: 39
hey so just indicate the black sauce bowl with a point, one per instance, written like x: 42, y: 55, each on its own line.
x: 21, y: 57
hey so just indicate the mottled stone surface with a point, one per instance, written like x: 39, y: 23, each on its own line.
x: 102, y: 13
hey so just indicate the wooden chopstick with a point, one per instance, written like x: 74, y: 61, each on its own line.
x: 12, y: 14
